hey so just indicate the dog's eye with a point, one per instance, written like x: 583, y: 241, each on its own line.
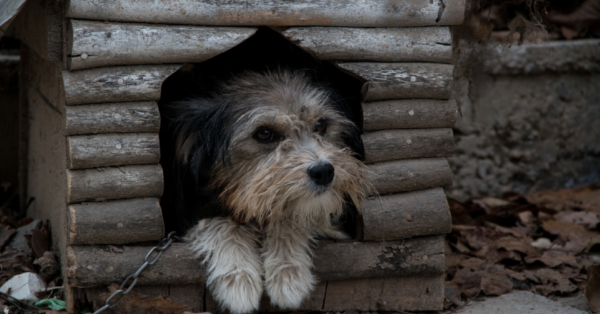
x: 321, y: 126
x: 265, y: 135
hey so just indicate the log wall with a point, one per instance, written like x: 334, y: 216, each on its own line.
x: 352, y: 13
x: 91, y: 266
x: 94, y: 44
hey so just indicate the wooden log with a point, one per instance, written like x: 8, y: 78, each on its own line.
x: 411, y: 174
x: 409, y: 114
x: 114, y: 183
x: 94, y: 44
x: 403, y: 80
x: 406, y: 215
x: 354, y: 13
x: 128, y: 117
x: 424, y: 44
x: 190, y: 296
x: 415, y: 293
x: 389, y: 145
x: 90, y: 151
x: 90, y: 266
x: 116, y: 222
x: 124, y: 83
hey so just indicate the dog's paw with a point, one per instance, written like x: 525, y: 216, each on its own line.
x: 239, y: 292
x: 288, y: 286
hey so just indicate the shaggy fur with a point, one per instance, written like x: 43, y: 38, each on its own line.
x: 248, y: 154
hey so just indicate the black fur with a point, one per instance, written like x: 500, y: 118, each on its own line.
x: 205, y: 125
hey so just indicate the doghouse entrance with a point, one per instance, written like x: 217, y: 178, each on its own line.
x: 266, y: 50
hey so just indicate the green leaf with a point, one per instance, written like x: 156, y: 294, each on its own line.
x: 53, y: 304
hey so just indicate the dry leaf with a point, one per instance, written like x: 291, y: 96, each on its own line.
x: 553, y: 259
x: 589, y: 220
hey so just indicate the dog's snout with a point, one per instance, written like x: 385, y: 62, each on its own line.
x: 322, y: 174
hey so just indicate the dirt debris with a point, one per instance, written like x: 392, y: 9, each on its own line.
x: 547, y: 242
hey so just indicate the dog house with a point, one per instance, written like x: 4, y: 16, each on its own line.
x: 94, y: 71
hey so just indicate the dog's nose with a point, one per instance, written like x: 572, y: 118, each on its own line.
x: 322, y: 174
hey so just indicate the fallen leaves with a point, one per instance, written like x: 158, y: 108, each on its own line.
x: 544, y: 242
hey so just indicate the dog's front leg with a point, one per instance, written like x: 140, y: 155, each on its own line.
x: 233, y: 263
x: 288, y: 263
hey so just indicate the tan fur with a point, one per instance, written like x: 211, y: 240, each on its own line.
x: 267, y: 188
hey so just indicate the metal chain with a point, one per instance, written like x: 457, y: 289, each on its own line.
x: 126, y: 286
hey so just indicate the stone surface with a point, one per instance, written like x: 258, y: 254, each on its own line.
x: 529, y: 132
x: 522, y: 302
x: 24, y: 286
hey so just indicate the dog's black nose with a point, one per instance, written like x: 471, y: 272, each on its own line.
x: 322, y: 174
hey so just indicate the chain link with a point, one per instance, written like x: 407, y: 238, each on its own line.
x: 126, y: 287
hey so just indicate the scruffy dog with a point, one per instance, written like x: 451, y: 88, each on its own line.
x: 275, y: 160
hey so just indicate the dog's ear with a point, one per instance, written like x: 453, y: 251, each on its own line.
x: 194, y: 136
x: 351, y: 136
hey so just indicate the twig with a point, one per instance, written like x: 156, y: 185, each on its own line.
x: 15, y: 301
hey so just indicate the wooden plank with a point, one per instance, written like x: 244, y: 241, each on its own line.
x: 39, y: 25
x: 90, y: 266
x: 389, y: 145
x: 409, y: 114
x: 190, y: 296
x: 419, y: 44
x: 117, y: 222
x: 406, y: 215
x: 354, y: 13
x: 114, y: 183
x: 113, y: 84
x: 94, y: 44
x: 411, y: 174
x: 403, y: 80
x: 90, y: 151
x: 127, y: 117
x: 415, y: 293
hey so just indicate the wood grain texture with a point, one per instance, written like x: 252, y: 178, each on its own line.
x: 410, y: 174
x: 354, y: 13
x: 114, y: 183
x: 354, y: 260
x: 116, y: 222
x: 90, y: 266
x: 389, y: 145
x: 115, y: 84
x: 95, y: 44
x: 127, y: 117
x: 101, y: 150
x: 190, y: 296
x: 415, y: 293
x: 406, y: 215
x: 419, y: 44
x: 409, y: 114
x: 403, y: 80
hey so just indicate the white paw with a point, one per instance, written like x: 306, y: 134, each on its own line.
x: 239, y: 292
x: 288, y: 285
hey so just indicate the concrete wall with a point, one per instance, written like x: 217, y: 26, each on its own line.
x: 532, y: 120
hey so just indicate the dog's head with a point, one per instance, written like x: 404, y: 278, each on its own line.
x: 273, y: 146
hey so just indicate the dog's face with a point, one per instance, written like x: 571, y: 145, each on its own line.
x: 284, y: 150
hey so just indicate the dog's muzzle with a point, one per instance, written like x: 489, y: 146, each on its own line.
x: 321, y: 174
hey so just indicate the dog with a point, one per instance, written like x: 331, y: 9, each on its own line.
x: 260, y: 169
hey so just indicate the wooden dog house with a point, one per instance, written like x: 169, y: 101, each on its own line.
x: 93, y: 72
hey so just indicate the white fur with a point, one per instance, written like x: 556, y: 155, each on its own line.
x: 233, y: 263
x: 288, y: 263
